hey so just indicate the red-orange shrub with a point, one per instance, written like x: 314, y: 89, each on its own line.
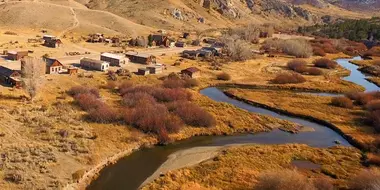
x: 174, y: 83
x: 373, y: 159
x: 325, y: 63
x: 319, y: 51
x: 192, y: 114
x: 374, y: 117
x: 83, y: 90
x: 314, y: 71
x: 296, y: 64
x: 87, y: 101
x: 367, y: 179
x: 373, y: 105
x: 137, y: 99
x: 291, y: 78
x: 103, y: 114
x: 170, y: 95
x: 124, y: 87
x: 343, y: 102
x: 152, y: 118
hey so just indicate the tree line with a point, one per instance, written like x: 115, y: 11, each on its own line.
x: 355, y: 30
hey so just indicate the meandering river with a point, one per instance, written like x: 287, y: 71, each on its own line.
x: 131, y: 171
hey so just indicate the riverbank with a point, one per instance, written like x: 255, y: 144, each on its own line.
x: 239, y: 167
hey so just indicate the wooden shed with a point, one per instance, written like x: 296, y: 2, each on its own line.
x: 156, y: 69
x: 16, y: 55
x: 141, y: 58
x: 53, y: 66
x: 143, y: 71
x: 192, y: 72
x: 93, y: 64
x: 72, y: 70
x: 113, y: 59
x: 10, y: 77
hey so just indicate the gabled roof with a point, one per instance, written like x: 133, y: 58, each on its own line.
x: 51, y: 61
x: 192, y: 69
x: 6, y: 71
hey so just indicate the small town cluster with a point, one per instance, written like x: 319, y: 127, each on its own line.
x: 11, y: 74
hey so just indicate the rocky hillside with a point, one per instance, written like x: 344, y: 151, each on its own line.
x: 204, y: 14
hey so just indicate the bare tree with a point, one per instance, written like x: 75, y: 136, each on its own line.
x: 32, y: 69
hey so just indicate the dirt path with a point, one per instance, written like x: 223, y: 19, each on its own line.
x: 75, y: 24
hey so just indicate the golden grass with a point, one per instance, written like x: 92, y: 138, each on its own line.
x: 349, y: 121
x: 239, y: 167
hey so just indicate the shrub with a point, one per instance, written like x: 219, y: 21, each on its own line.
x: 323, y: 184
x: 223, y: 76
x: 376, y: 62
x: 363, y: 98
x: 373, y: 105
x: 123, y: 87
x: 83, y: 90
x: 152, y: 118
x: 288, y: 78
x: 374, y: 117
x: 87, y: 101
x: 373, y: 159
x: 319, y: 51
x: 295, y: 64
x: 314, y: 71
x: 190, y: 82
x: 366, y: 180
x: 325, y: 63
x: 174, y: 83
x: 297, y: 47
x: 103, y: 114
x: 192, y: 114
x: 137, y: 99
x: 170, y: 95
x: 283, y: 180
x: 343, y: 102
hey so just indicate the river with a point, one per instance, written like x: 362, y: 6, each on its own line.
x: 131, y: 171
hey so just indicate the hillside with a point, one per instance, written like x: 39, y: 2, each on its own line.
x: 143, y: 16
x: 64, y: 16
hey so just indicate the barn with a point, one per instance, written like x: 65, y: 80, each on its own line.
x: 141, y: 58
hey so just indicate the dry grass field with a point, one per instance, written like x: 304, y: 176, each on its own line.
x: 240, y: 167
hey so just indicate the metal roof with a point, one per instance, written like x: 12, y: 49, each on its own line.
x: 114, y: 56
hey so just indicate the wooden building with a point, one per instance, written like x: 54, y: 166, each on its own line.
x: 51, y: 41
x: 141, y: 58
x: 53, y: 66
x: 143, y: 71
x: 72, y: 70
x: 16, y: 55
x: 10, y: 77
x: 156, y: 69
x: 92, y: 64
x: 112, y: 59
x: 160, y: 40
x: 192, y: 72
